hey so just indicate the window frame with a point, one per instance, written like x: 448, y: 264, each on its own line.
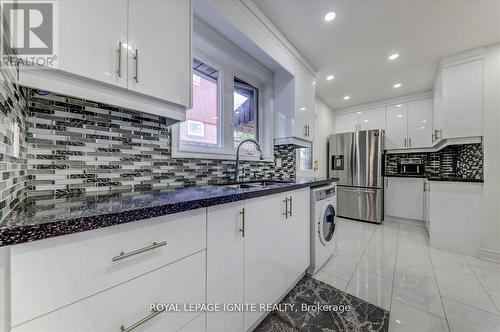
x: 231, y: 62
x: 188, y: 148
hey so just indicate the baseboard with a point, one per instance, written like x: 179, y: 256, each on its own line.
x: 489, y: 255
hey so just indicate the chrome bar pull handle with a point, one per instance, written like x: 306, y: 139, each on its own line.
x: 286, y: 207
x: 290, y: 206
x: 119, y: 51
x: 136, y: 60
x: 152, y: 315
x: 410, y: 142
x: 242, y: 229
x: 405, y: 142
x: 123, y: 255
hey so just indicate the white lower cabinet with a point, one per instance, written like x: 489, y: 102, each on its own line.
x: 225, y: 264
x: 404, y: 198
x: 126, y: 304
x: 51, y: 273
x: 265, y: 271
x: 256, y: 249
x: 297, y: 245
x: 455, y: 213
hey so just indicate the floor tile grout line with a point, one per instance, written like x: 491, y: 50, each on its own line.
x: 394, y: 272
x: 484, y: 287
x: 359, y: 259
x: 439, y: 290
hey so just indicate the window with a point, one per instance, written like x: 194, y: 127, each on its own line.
x: 245, y: 111
x: 232, y: 101
x: 201, y: 127
x: 305, y: 159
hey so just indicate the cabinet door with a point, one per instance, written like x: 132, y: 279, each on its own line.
x: 463, y: 100
x: 297, y: 239
x: 160, y: 49
x: 427, y: 206
x: 437, y: 110
x: 225, y: 264
x: 420, y: 123
x: 396, y: 127
x: 397, y: 202
x: 372, y: 119
x: 90, y: 33
x: 264, y: 253
x: 345, y: 123
x: 301, y: 103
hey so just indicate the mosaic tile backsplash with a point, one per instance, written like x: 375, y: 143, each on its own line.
x: 455, y: 161
x: 79, y: 146
x: 13, y: 126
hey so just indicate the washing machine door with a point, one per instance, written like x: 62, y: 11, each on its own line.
x: 326, y: 223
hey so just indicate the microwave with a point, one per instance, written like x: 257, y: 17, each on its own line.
x: 411, y: 166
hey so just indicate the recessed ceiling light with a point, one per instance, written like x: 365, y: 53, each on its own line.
x: 360, y: 112
x: 330, y: 16
x: 314, y: 82
x: 330, y: 77
x: 347, y: 97
x: 302, y: 108
x: 365, y: 121
x: 397, y: 85
x: 399, y: 105
x: 400, y: 116
x: 393, y: 56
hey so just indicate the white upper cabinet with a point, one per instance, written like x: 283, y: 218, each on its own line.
x: 90, y: 36
x: 396, y: 127
x: 371, y: 119
x: 461, y: 107
x: 160, y: 49
x: 420, y: 123
x: 294, y: 105
x: 127, y: 53
x: 361, y: 120
x: 345, y: 123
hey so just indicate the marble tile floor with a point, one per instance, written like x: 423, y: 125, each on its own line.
x: 425, y: 289
x: 362, y: 315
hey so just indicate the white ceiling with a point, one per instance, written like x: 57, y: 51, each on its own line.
x: 355, y: 45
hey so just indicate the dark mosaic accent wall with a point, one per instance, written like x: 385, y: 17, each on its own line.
x: 13, y: 126
x: 79, y: 146
x: 455, y: 161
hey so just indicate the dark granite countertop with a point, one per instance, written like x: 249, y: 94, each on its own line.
x: 40, y: 218
x: 436, y: 178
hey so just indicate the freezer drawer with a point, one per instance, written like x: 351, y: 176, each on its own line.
x: 360, y: 203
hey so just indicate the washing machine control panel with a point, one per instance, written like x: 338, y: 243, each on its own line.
x: 324, y: 193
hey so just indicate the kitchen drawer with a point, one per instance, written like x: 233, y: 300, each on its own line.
x: 51, y: 273
x: 180, y: 282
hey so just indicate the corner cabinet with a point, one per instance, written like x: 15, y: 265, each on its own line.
x: 294, y: 106
x: 128, y: 53
x: 458, y: 105
x: 258, y: 249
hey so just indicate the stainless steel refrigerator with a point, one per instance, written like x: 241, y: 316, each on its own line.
x: 356, y: 159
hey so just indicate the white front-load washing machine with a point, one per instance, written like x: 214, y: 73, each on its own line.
x: 323, y: 216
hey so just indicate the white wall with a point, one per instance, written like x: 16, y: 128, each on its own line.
x: 490, y: 247
x: 324, y: 122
